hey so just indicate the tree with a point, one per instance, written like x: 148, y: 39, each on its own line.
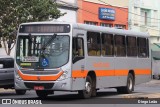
x: 14, y: 12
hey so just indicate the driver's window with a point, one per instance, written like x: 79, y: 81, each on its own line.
x: 78, y: 49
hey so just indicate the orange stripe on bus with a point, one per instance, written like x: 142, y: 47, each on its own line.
x: 81, y: 74
x: 121, y: 72
x: 143, y: 71
x: 39, y: 78
x: 104, y: 72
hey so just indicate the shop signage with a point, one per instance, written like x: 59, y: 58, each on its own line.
x: 106, y: 13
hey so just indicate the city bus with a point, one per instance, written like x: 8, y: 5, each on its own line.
x: 61, y: 56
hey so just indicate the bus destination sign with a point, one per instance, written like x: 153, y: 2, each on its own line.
x: 45, y: 28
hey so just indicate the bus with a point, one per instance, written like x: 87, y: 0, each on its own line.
x: 61, y: 56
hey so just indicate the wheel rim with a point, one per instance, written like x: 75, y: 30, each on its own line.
x: 130, y: 84
x: 88, y: 87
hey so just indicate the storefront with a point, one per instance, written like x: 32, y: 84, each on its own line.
x: 102, y: 15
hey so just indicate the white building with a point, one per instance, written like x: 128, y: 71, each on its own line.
x: 70, y: 8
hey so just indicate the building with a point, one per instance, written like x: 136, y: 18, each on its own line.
x: 144, y: 16
x: 70, y: 8
x: 108, y: 13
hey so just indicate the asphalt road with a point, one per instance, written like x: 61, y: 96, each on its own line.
x: 142, y: 93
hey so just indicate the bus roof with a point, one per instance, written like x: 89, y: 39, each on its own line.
x: 96, y: 28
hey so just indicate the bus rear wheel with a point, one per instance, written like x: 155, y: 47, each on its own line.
x: 43, y: 93
x: 129, y: 87
x: 87, y: 93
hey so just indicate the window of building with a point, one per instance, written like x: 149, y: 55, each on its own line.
x: 90, y: 23
x: 106, y: 25
x: 120, y: 48
x: 154, y: 20
x: 93, y: 44
x: 131, y: 46
x: 142, y: 47
x: 144, y: 17
x: 107, y: 45
x: 118, y: 26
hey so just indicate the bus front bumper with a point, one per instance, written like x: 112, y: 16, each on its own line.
x: 64, y: 84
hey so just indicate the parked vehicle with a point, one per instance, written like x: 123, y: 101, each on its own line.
x: 7, y: 74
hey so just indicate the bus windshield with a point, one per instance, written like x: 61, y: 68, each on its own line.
x: 42, y: 51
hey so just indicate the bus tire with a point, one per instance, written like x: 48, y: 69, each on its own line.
x: 94, y: 90
x: 43, y: 93
x: 20, y: 92
x: 129, y: 87
x: 87, y: 93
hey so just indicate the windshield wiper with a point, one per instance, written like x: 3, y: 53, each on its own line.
x: 49, y: 42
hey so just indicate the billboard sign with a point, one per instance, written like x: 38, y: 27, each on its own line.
x: 106, y: 13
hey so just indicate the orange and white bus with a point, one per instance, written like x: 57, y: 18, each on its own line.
x: 61, y: 56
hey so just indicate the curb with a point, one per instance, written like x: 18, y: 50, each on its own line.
x: 143, y: 96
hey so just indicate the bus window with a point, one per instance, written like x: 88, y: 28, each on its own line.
x: 142, y: 47
x: 131, y: 46
x: 148, y: 47
x: 120, y: 48
x: 93, y: 44
x: 107, y: 45
x: 78, y: 49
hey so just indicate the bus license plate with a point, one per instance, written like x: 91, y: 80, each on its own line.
x: 38, y: 87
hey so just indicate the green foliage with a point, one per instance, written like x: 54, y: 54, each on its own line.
x: 14, y: 12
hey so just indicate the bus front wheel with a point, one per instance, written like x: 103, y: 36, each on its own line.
x: 20, y: 92
x: 44, y: 93
x: 87, y: 93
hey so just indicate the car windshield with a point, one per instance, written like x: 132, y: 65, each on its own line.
x: 44, y: 51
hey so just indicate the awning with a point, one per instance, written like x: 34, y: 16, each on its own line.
x: 155, y: 47
x: 156, y: 58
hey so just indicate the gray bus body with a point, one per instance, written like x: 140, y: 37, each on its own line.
x: 104, y: 70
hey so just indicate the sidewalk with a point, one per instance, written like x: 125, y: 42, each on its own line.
x: 6, y: 90
x: 142, y: 95
x: 154, y: 84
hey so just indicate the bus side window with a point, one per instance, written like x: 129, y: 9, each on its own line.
x: 107, y: 44
x: 142, y: 47
x: 93, y: 44
x: 120, y: 48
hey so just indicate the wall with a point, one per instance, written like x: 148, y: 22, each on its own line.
x: 117, y: 3
x: 70, y: 8
x: 136, y: 18
x: 71, y: 16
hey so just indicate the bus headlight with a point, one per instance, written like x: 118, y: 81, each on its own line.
x: 18, y: 77
x: 63, y: 76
